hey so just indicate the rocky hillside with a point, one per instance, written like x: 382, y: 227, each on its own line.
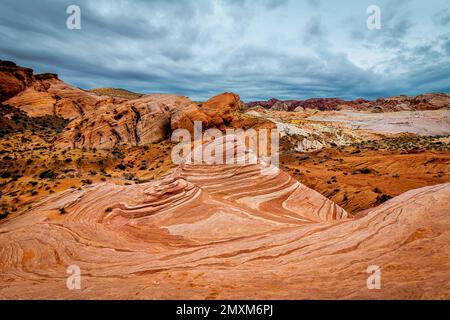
x: 116, y: 93
x: 45, y: 94
x: 301, y: 105
x: 14, y: 120
x: 431, y: 101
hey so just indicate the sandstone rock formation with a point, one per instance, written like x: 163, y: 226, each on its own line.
x: 430, y: 101
x: 220, y: 108
x: 225, y: 232
x: 148, y: 119
x: 13, y: 79
x: 185, y: 118
x: 130, y: 123
x: 45, y: 94
x: 217, y: 112
x: 50, y: 96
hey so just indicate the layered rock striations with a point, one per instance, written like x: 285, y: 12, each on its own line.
x: 216, y: 231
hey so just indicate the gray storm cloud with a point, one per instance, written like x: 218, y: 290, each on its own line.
x: 258, y: 49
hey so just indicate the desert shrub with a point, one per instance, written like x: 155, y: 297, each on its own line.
x: 128, y: 176
x: 47, y: 174
x: 5, y: 175
x: 383, y: 198
x: 376, y: 190
x: 4, y: 215
x: 363, y: 171
x: 121, y: 166
x: 87, y: 181
x: 117, y: 153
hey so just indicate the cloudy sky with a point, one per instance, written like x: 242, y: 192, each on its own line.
x: 288, y: 49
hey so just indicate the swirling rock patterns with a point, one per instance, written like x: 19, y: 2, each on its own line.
x: 242, y: 231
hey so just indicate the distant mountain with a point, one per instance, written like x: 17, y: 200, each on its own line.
x: 430, y: 101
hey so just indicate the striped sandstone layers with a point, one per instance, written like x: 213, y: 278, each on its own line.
x: 242, y: 231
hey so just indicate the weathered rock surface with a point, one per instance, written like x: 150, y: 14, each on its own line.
x: 148, y: 119
x: 217, y: 112
x: 130, y: 123
x: 50, y: 96
x: 185, y: 118
x: 13, y: 79
x: 225, y: 232
x: 46, y: 95
x: 220, y: 108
